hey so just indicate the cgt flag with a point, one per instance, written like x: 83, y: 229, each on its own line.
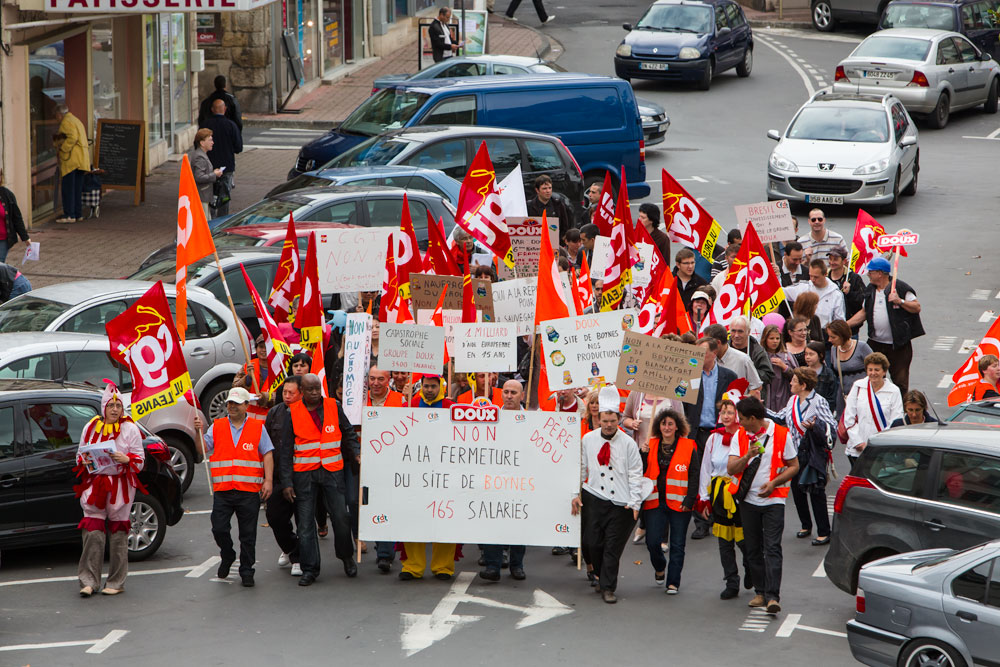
x: 276, y: 347
x: 194, y: 239
x: 288, y: 277
x: 863, y: 248
x: 604, y: 216
x: 309, y: 316
x: 687, y: 222
x: 144, y: 337
x: 479, y: 209
x: 967, y: 376
x: 408, y: 258
x: 750, y: 284
x: 618, y: 274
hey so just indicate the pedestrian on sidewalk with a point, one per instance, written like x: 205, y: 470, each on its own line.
x: 205, y: 175
x: 539, y: 7
x: 74, y: 162
x: 227, y: 143
x: 11, y: 223
x: 233, y: 112
x: 440, y: 35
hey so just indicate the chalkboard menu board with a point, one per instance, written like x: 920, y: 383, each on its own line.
x: 119, y: 155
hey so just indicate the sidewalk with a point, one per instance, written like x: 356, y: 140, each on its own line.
x: 800, y: 18
x: 333, y: 101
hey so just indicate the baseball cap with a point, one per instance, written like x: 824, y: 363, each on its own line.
x: 839, y: 251
x: 879, y: 264
x: 239, y: 395
x: 701, y: 295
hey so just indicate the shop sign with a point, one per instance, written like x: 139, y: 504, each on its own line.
x: 151, y: 6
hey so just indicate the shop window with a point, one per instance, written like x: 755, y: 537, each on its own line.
x: 208, y: 28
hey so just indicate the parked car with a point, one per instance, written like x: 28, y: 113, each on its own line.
x: 596, y: 117
x: 846, y: 149
x: 408, y: 178
x: 271, y: 235
x: 40, y: 427
x: 826, y: 13
x: 679, y: 40
x: 654, y: 117
x: 85, y: 359
x: 916, y: 487
x: 452, y: 149
x: 930, y: 607
x: 932, y: 72
x: 972, y: 18
x: 986, y: 411
x: 213, y: 349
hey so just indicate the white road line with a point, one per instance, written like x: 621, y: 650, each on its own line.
x: 987, y: 316
x: 802, y: 73
x: 945, y: 382
x: 273, y: 148
x: 980, y: 294
x: 944, y: 343
x: 819, y: 571
x: 111, y: 638
x: 983, y: 138
x: 204, y: 567
x: 96, y: 645
x: 994, y: 134
x: 132, y: 573
x: 791, y: 623
x: 198, y: 512
x: 997, y: 296
x: 968, y: 345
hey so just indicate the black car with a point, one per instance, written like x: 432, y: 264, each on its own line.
x: 826, y: 13
x: 972, y: 18
x: 40, y: 427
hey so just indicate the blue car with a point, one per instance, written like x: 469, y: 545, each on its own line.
x: 398, y: 176
x: 679, y: 40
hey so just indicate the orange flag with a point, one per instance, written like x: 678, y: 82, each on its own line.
x: 194, y: 238
x: 437, y: 249
x: 550, y: 301
x: 967, y: 376
x: 468, y: 304
x: 310, y: 314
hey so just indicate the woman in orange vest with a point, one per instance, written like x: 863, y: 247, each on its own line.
x: 671, y: 462
x: 989, y: 372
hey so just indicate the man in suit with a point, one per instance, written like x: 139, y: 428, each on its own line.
x: 233, y: 112
x: 441, y: 46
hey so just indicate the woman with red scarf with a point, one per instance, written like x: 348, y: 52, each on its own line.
x: 109, y: 459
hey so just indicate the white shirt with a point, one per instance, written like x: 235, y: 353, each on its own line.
x: 619, y: 482
x: 858, y: 416
x: 741, y: 364
x: 764, y: 469
x: 881, y: 329
x: 447, y: 39
x: 713, y: 463
x: 831, y: 300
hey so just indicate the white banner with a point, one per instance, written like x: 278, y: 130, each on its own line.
x: 602, y: 257
x: 351, y: 260
x: 411, y: 348
x: 473, y: 475
x: 512, y: 194
x: 583, y: 351
x: 449, y: 318
x: 483, y: 347
x: 357, y: 356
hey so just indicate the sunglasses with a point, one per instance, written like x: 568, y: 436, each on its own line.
x: 816, y: 219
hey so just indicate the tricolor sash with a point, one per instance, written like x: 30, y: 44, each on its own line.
x: 876, y: 409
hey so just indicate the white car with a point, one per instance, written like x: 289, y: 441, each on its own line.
x: 932, y: 72
x: 845, y: 149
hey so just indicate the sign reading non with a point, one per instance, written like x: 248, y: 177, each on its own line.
x: 119, y: 154
x: 357, y: 356
x: 351, y: 260
x: 411, y: 348
x: 485, y: 347
x: 583, y: 351
x: 771, y: 219
x: 660, y: 367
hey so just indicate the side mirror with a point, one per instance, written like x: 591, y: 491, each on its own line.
x: 985, y: 57
x: 627, y: 26
x: 725, y: 30
x: 774, y: 134
x: 908, y: 140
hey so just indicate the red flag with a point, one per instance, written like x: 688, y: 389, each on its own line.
x: 274, y: 343
x: 403, y: 314
x: 657, y: 263
x: 618, y: 275
x: 437, y: 319
x: 688, y: 223
x: 387, y: 301
x: 673, y: 316
x: 479, y: 209
x: 408, y: 258
x: 288, y: 278
x: 437, y: 249
x: 468, y: 302
x: 577, y: 302
x: 863, y: 248
x: 550, y: 301
x: 319, y: 368
x: 583, y: 286
x: 967, y: 376
x: 310, y: 314
x: 194, y: 238
x: 750, y: 284
x: 604, y: 218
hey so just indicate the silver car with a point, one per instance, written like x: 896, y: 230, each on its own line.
x: 86, y: 359
x: 845, y: 149
x: 932, y: 72
x: 935, y: 607
x: 213, y: 349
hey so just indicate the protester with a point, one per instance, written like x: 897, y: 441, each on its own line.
x: 484, y: 385
x: 830, y: 300
x: 796, y: 338
x: 649, y: 216
x: 551, y: 203
x: 740, y: 339
x: 440, y: 36
x: 735, y: 360
x: 106, y: 492
x: 400, y: 381
x: 989, y: 374
x: 13, y: 283
x: 872, y: 405
x: 791, y: 270
x: 228, y: 141
x: 205, y: 175
x: 763, y: 508
x: 914, y: 410
x: 701, y: 306
x: 846, y: 355
x: 379, y: 393
x: 279, y: 511
x: 261, y: 373
x: 893, y: 320
x: 820, y: 241
x: 74, y: 162
x: 778, y: 391
x: 612, y: 497
x: 590, y: 419
x: 11, y: 223
x: 591, y: 203
x: 720, y: 267
x: 827, y: 384
x: 574, y: 248
x: 233, y: 112
x: 640, y: 408
x: 849, y: 283
x: 588, y: 233
x: 242, y: 467
x: 805, y: 307
x: 688, y: 281
x: 672, y: 464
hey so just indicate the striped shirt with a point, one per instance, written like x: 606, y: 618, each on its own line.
x: 814, y: 407
x: 821, y: 249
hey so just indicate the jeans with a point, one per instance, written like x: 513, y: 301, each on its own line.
x: 72, y: 194
x: 493, y: 554
x: 20, y: 286
x: 309, y: 485
x: 762, y: 529
x: 4, y: 249
x: 385, y: 550
x: 606, y: 533
x: 662, y: 523
x: 818, y: 499
x: 727, y: 555
x: 246, y: 505
x: 279, y: 514
x: 539, y: 8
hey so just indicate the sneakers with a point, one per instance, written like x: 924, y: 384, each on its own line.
x: 773, y: 607
x: 640, y: 535
x: 756, y: 601
x: 659, y: 578
x: 283, y: 560
x: 490, y: 574
x: 384, y: 565
x: 552, y: 17
x: 296, y: 570
x: 609, y: 596
x: 672, y: 590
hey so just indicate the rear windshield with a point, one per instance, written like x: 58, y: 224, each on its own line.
x: 299, y: 182
x: 833, y: 123
x: 387, y: 109
x: 678, y: 18
x: 904, y: 48
x: 268, y: 210
x: 375, y: 151
x: 918, y: 16
x: 29, y: 313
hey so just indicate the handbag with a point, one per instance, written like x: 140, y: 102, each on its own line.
x: 747, y: 479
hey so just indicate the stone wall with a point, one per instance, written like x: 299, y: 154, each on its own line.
x: 244, y: 58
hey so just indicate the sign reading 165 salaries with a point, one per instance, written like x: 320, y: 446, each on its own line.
x: 470, y: 474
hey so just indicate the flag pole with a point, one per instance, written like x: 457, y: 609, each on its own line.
x: 531, y: 367
x: 201, y: 446
x: 236, y: 318
x: 895, y: 268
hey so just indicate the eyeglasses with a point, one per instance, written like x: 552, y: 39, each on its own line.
x: 800, y: 331
x: 816, y: 219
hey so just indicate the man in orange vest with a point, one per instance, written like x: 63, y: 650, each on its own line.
x: 379, y: 392
x: 317, y: 441
x: 242, y: 470
x: 485, y: 386
x: 763, y: 508
x: 989, y: 372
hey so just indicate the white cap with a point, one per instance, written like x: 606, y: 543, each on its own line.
x: 239, y: 395
x: 608, y: 400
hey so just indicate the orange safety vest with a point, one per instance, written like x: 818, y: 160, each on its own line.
x: 777, y: 460
x: 257, y: 412
x: 393, y: 400
x: 676, y: 486
x: 236, y: 466
x: 979, y: 393
x: 312, y: 447
x: 466, y: 398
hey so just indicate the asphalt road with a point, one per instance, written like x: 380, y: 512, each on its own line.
x: 177, y: 614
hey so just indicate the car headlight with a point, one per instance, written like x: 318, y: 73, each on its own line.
x: 689, y: 53
x: 872, y: 167
x: 782, y: 164
x: 624, y: 50
x: 646, y: 119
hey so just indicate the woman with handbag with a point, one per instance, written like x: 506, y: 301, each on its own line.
x: 846, y: 354
x: 872, y: 406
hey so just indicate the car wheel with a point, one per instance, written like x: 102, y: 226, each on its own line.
x: 181, y: 460
x: 911, y: 189
x: 746, y: 65
x: 991, y: 98
x: 923, y: 652
x: 939, y: 117
x: 149, y: 526
x: 822, y: 16
x: 214, y: 399
x: 893, y: 205
x: 706, y: 79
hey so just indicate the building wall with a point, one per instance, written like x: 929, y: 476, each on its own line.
x: 243, y: 55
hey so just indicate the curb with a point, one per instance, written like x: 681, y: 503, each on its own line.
x: 795, y: 25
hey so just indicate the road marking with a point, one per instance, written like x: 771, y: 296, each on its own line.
x: 802, y: 73
x: 198, y: 511
x: 982, y: 138
x: 944, y: 343
x: 697, y: 179
x: 819, y: 571
x: 109, y: 639
x: 791, y: 623
x: 757, y: 621
x: 805, y: 34
x: 968, y: 345
x: 980, y: 294
x: 96, y: 645
x: 945, y: 382
x: 202, y: 568
x: 987, y: 316
x: 997, y: 296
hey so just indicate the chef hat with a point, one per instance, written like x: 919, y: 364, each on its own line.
x: 111, y: 391
x: 608, y: 400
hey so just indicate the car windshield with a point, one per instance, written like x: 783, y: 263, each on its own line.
x: 952, y: 556
x: 546, y: 68
x: 904, y: 48
x: 230, y: 241
x: 267, y: 210
x: 299, y: 182
x: 30, y: 313
x: 680, y: 18
x: 166, y: 270
x: 376, y: 151
x: 835, y: 123
x: 918, y: 16
x: 387, y: 109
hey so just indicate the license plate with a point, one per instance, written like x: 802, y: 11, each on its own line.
x: 824, y: 199
x: 654, y: 66
x: 876, y: 74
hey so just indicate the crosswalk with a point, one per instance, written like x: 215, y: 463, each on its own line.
x: 278, y: 138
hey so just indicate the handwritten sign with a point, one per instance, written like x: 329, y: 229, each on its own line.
x: 583, y: 351
x: 485, y: 347
x: 119, y: 151
x: 425, y: 290
x: 357, y: 356
x: 475, y: 475
x: 411, y: 348
x: 772, y: 220
x: 351, y: 260
x: 526, y: 242
x: 641, y: 271
x: 449, y: 318
x: 514, y: 301
x: 602, y: 257
x: 660, y: 367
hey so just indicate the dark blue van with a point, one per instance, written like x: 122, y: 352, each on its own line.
x: 596, y: 117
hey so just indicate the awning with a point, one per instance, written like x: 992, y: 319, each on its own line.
x: 153, y: 6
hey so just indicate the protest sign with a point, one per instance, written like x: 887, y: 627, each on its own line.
x: 411, y: 348
x: 482, y: 347
x: 470, y: 474
x: 425, y: 290
x: 641, y: 270
x: 603, y: 255
x: 514, y: 303
x: 772, y: 220
x: 351, y: 260
x: 526, y: 242
x: 357, y: 356
x: 449, y: 318
x: 660, y: 367
x: 584, y: 351
x: 96, y: 458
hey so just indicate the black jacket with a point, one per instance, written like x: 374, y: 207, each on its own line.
x: 905, y: 326
x: 556, y: 207
x: 233, y: 111
x: 692, y: 411
x: 7, y: 276
x: 687, y: 290
x: 349, y: 446
x: 438, y: 45
x: 15, y: 223
x: 855, y: 299
x: 228, y: 142
x: 274, y: 424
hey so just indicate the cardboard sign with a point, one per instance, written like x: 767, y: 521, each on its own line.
x: 472, y: 475
x: 584, y: 351
x: 411, y: 348
x: 425, y: 290
x: 485, y: 347
x: 772, y: 220
x: 526, y: 242
x: 357, y: 357
x: 351, y: 260
x: 903, y: 237
x: 660, y: 367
